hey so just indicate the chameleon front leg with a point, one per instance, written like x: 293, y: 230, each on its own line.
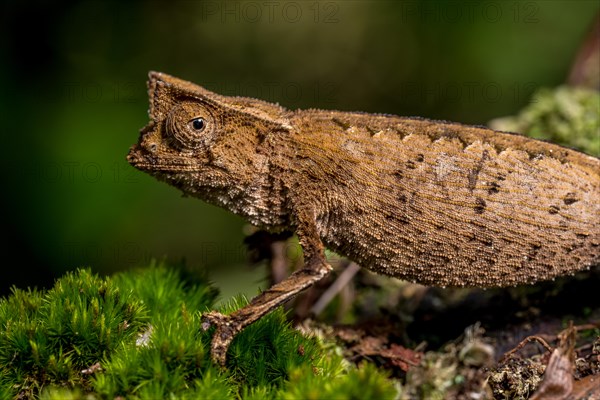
x: 315, y: 268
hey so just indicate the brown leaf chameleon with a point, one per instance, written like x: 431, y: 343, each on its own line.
x: 433, y: 202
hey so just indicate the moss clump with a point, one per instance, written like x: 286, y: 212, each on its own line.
x: 50, y: 337
x: 362, y: 383
x: 565, y: 115
x: 516, y: 379
x: 137, y: 335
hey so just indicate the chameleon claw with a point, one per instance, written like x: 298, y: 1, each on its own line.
x: 212, y: 318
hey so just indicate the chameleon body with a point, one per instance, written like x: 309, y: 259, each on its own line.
x: 433, y: 202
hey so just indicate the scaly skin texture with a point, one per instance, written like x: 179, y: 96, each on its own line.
x: 432, y: 202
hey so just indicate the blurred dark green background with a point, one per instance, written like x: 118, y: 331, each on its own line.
x: 73, y: 99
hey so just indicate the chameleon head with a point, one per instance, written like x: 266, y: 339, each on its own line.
x: 200, y: 141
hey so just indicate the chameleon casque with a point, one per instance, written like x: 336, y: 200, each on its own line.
x: 433, y: 202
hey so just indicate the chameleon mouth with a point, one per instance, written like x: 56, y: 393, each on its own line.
x: 145, y: 161
x: 140, y: 159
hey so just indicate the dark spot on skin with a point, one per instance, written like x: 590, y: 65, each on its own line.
x: 488, y: 242
x: 372, y: 131
x: 570, y: 198
x: 474, y: 173
x: 463, y: 142
x: 448, y: 134
x: 443, y: 133
x: 494, y: 188
x: 420, y: 157
x: 342, y: 124
x: 402, y: 134
x: 499, y: 149
x: 549, y: 267
x: 445, y: 259
x: 413, y: 196
x: 581, y: 235
x: 501, y: 177
x: 402, y: 198
x: 534, y: 250
x: 480, y: 205
x: 410, y: 164
x: 312, y: 177
x: 553, y: 210
x: 398, y: 174
x: 403, y: 219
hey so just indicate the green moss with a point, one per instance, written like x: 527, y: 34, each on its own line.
x: 137, y: 335
x: 565, y: 115
x: 364, y: 382
x: 50, y: 337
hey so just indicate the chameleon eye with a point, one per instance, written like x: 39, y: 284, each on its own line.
x: 198, y: 124
x: 190, y: 125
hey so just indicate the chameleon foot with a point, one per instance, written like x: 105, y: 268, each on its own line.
x: 230, y: 325
x: 223, y: 336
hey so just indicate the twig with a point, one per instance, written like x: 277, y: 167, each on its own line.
x: 337, y: 286
x: 585, y: 327
x: 524, y: 342
x: 278, y: 261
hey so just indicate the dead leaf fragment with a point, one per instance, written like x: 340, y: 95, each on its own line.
x: 557, y: 383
